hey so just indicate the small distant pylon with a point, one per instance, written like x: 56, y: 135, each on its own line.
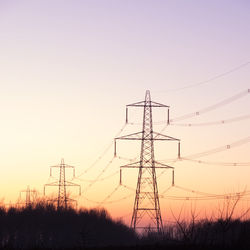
x: 147, y: 198
x: 29, y: 200
x: 62, y: 200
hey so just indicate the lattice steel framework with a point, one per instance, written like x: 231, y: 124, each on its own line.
x: 62, y: 199
x: 29, y: 192
x: 146, y: 198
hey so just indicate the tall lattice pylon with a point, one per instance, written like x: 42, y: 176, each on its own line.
x: 62, y: 199
x: 29, y: 200
x: 146, y: 198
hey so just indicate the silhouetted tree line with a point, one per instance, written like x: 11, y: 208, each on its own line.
x: 203, y: 234
x: 44, y: 226
x: 41, y: 226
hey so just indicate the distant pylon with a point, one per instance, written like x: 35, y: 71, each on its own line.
x: 62, y: 199
x: 146, y: 198
x: 28, y: 192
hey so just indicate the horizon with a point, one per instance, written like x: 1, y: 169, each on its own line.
x: 68, y: 70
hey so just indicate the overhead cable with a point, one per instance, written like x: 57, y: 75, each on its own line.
x: 211, y: 79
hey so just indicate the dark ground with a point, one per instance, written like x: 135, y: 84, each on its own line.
x: 169, y: 247
x: 43, y: 226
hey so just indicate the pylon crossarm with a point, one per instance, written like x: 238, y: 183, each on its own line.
x: 131, y: 165
x: 25, y: 191
x: 68, y: 183
x: 55, y: 166
x: 71, y: 184
x: 51, y: 184
x: 143, y: 104
x: 163, y: 165
x: 144, y: 167
x: 68, y: 166
x: 59, y: 165
x: 134, y: 136
x: 158, y: 136
x: 152, y: 104
x: 136, y: 104
x: 158, y: 105
x: 138, y: 165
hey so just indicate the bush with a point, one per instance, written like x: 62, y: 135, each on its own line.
x: 44, y: 226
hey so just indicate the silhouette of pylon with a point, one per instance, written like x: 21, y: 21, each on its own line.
x: 62, y: 199
x: 146, y: 198
x: 28, y: 193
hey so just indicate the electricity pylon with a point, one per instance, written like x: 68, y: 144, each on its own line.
x: 62, y: 199
x: 28, y: 192
x: 146, y: 198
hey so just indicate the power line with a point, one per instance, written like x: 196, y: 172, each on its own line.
x: 118, y: 200
x: 218, y: 163
x: 212, y: 107
x: 129, y: 188
x: 206, y: 196
x: 108, y: 196
x: 211, y: 79
x: 220, y: 122
x: 103, y: 154
x: 202, y: 198
x: 211, y: 151
x: 106, y: 177
x: 202, y: 111
x: 194, y: 191
x: 205, y: 110
x: 167, y: 189
x: 99, y: 180
x: 211, y: 123
x: 99, y: 175
x: 105, y: 200
x: 222, y: 148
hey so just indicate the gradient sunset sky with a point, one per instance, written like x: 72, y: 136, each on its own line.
x: 68, y: 68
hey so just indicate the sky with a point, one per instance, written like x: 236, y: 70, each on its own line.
x: 68, y: 69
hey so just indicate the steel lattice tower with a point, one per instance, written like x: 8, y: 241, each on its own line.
x: 28, y: 192
x: 62, y: 199
x: 146, y: 198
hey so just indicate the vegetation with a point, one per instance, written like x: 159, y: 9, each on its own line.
x: 43, y: 226
x: 204, y: 234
